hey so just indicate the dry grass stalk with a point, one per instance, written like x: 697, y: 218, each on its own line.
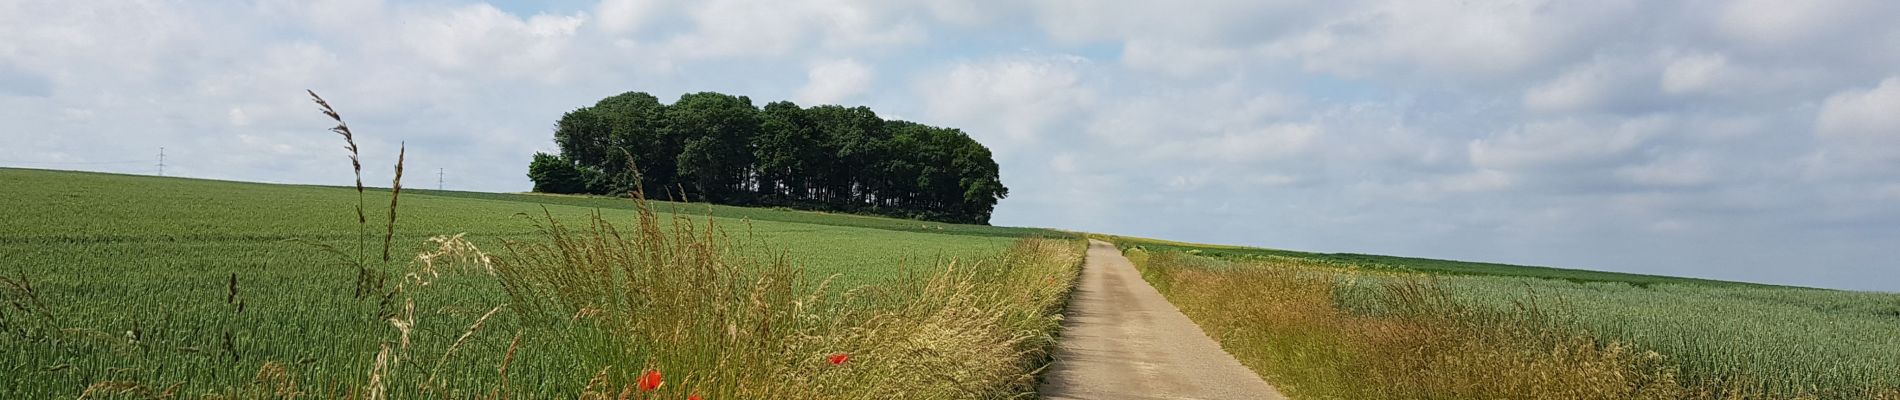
x: 349, y: 139
x: 395, y: 192
x: 376, y: 389
x: 277, y: 380
x: 472, y: 328
x: 451, y: 250
x: 356, y: 161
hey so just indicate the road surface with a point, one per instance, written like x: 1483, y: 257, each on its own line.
x: 1122, y: 340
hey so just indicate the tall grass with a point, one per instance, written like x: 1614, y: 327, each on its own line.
x: 1317, y: 331
x: 672, y: 297
x: 675, y: 297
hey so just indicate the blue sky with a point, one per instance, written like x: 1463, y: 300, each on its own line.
x: 1748, y: 140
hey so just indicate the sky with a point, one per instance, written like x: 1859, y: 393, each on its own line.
x: 1753, y: 140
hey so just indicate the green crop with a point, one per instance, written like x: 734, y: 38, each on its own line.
x: 131, y: 284
x: 1786, y: 339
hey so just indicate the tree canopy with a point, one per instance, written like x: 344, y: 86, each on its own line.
x: 719, y: 148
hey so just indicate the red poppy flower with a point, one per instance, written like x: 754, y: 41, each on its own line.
x: 839, y: 358
x: 649, y: 381
x: 694, y: 396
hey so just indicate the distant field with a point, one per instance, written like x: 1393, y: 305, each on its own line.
x: 761, y: 214
x: 1715, y: 339
x: 1426, y: 265
x: 62, y: 219
x: 143, y: 274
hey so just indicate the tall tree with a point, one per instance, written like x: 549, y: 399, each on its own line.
x: 715, y: 160
x: 555, y: 174
x: 858, y: 140
x: 636, y: 122
x: 790, y: 153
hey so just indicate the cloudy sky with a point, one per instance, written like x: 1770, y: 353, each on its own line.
x: 1753, y: 140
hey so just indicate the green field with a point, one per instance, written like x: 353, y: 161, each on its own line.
x: 72, y: 221
x: 167, y: 280
x: 1719, y: 338
x: 1412, y: 264
x: 1787, y: 338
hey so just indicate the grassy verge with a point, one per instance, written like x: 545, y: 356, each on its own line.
x: 1319, y: 331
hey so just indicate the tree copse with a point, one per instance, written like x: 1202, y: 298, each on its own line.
x: 722, y: 149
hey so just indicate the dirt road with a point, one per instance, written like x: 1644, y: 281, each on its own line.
x: 1122, y: 340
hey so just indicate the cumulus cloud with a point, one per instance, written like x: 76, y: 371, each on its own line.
x: 482, y: 38
x: 728, y: 28
x: 1606, y: 83
x: 1697, y: 73
x: 1863, y: 123
x: 624, y: 16
x: 1686, y: 170
x: 1013, y: 99
x: 1564, y: 143
x: 1481, y: 39
x: 1780, y: 24
x: 832, y: 81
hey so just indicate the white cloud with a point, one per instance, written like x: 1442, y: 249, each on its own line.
x: 1197, y: 21
x: 833, y: 81
x: 483, y: 38
x: 1226, y: 109
x: 1272, y: 179
x: 1581, y: 89
x: 1687, y: 170
x: 1016, y: 98
x: 1863, y: 122
x: 763, y: 28
x: 1780, y: 24
x: 1064, y: 163
x: 624, y: 16
x: 1484, y: 180
x: 1564, y: 143
x: 1179, y: 59
x: 970, y: 13
x: 1465, y: 40
x: 1238, y: 148
x: 1697, y: 73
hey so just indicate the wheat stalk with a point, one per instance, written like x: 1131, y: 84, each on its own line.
x: 472, y: 328
x: 395, y: 191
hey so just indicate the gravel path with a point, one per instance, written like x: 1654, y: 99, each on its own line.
x: 1122, y: 340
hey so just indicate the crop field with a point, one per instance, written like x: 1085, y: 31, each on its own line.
x: 1410, y: 264
x: 1784, y: 338
x: 147, y: 287
x: 1325, y: 329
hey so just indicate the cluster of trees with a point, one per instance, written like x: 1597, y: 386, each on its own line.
x: 719, y: 148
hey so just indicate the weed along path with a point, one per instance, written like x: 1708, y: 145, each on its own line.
x: 1122, y: 340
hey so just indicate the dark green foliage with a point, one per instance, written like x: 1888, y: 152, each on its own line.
x: 555, y: 174
x: 721, y: 148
